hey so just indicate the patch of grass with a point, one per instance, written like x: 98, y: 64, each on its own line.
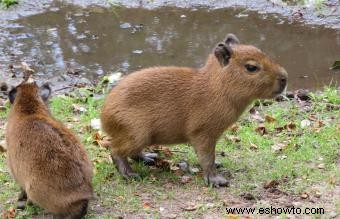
x: 8, y: 3
x: 310, y: 156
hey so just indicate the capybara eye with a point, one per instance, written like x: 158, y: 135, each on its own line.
x: 251, y: 68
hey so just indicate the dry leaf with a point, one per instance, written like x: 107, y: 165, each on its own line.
x: 78, y: 108
x: 234, y: 128
x: 321, y: 166
x: 233, y: 138
x: 3, y: 146
x: 185, y: 179
x: 318, y: 124
x: 261, y: 129
x: 95, y: 124
x: 10, y: 213
x: 26, y: 68
x: 269, y: 119
x: 190, y: 206
x: 304, y: 195
x: 290, y: 126
x: 305, y: 123
x: 163, y: 164
x: 332, y: 180
x: 253, y: 146
x: 147, y: 205
x: 278, y: 147
x: 271, y: 184
x: 312, y: 117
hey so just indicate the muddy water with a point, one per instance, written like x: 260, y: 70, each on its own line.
x: 94, y: 41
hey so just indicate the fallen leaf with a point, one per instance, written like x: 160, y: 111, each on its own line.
x: 290, y: 126
x: 312, y: 117
x: 147, y: 205
x: 163, y: 164
x: 95, y: 124
x: 248, y: 196
x: 271, y: 184
x: 305, y: 123
x: 234, y: 128
x: 190, y: 206
x: 332, y: 180
x: 3, y: 146
x: 321, y: 166
x: 269, y: 119
x: 78, y: 108
x: 185, y: 179
x: 318, y: 124
x: 253, y: 146
x: 10, y: 213
x: 304, y: 195
x: 26, y: 68
x: 233, y: 138
x: 194, y: 170
x: 278, y: 147
x: 261, y: 129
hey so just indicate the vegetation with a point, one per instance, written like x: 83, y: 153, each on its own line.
x: 288, y: 150
x: 8, y: 3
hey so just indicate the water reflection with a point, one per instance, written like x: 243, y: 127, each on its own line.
x: 98, y: 41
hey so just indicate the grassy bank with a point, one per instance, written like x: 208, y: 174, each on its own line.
x: 283, y: 154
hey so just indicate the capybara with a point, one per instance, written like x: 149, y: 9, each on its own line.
x: 172, y: 105
x: 45, y: 158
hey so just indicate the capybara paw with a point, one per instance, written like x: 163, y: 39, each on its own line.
x: 147, y: 158
x: 21, y: 205
x: 130, y: 175
x: 217, y: 181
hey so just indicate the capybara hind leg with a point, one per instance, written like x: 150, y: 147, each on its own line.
x: 146, y: 157
x: 22, y: 200
x: 124, y: 167
x: 205, y: 150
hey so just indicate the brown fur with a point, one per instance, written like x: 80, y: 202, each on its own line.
x: 171, y: 105
x: 45, y: 158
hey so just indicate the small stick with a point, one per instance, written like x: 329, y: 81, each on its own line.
x: 28, y: 72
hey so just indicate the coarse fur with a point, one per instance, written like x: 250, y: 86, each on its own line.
x: 171, y: 105
x: 45, y: 158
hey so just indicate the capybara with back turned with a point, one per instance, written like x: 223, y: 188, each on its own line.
x: 45, y: 158
x: 171, y: 105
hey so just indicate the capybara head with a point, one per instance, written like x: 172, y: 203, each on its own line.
x: 251, y: 71
x: 30, y: 91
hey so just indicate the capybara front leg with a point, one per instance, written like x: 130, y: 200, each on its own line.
x: 124, y: 167
x: 205, y: 150
x: 22, y: 199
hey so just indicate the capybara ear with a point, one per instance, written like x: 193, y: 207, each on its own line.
x: 12, y: 94
x: 223, y: 53
x: 45, y: 91
x: 231, y: 39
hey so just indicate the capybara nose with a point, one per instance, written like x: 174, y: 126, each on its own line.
x: 282, y: 82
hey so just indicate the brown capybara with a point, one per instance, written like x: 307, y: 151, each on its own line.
x: 171, y: 105
x: 45, y: 158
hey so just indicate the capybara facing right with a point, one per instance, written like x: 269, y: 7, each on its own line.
x: 45, y: 158
x: 171, y: 105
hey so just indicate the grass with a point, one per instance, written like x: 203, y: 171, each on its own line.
x: 8, y: 3
x: 309, y: 158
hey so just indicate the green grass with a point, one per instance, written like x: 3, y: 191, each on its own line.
x: 296, y: 167
x: 8, y: 3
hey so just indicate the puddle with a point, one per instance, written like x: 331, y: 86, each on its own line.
x: 95, y: 41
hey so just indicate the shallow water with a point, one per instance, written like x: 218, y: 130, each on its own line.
x: 96, y: 41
